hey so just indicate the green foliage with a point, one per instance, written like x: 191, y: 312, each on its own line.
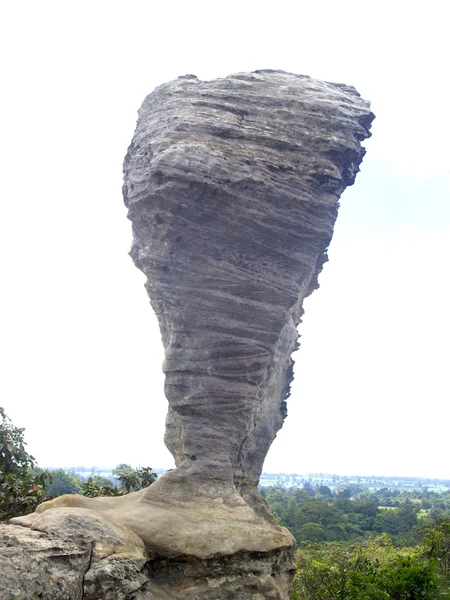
x: 436, y: 540
x: 342, y: 554
x: 63, y: 483
x: 368, y: 570
x: 93, y: 488
x: 324, y: 490
x: 146, y: 476
x: 132, y: 480
x: 101, y: 481
x: 311, y: 532
x: 13, y: 456
x: 314, y: 515
x: 20, y: 489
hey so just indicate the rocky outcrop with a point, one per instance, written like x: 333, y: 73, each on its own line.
x: 86, y: 557
x: 71, y: 555
x: 232, y: 188
x: 34, y: 565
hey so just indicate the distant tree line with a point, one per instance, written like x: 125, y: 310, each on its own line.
x: 360, y: 545
x: 319, y: 515
x: 362, y: 481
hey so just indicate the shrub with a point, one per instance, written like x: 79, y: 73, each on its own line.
x: 20, y: 490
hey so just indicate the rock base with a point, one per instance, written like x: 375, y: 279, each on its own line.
x: 83, y: 553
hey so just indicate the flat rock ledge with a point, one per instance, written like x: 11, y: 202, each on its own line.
x: 232, y: 187
x: 89, y: 558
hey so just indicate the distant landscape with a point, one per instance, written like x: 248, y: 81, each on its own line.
x: 333, y: 481
x: 298, y: 480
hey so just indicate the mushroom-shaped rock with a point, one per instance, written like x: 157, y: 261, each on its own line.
x: 232, y: 187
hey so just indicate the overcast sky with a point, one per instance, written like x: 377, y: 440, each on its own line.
x: 80, y: 347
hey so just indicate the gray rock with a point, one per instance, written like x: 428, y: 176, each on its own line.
x: 70, y: 553
x: 34, y: 565
x: 232, y: 188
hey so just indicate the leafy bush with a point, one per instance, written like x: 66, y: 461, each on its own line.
x: 131, y: 480
x: 20, y: 489
x: 368, y: 570
x: 92, y: 489
x: 62, y: 483
x: 436, y: 540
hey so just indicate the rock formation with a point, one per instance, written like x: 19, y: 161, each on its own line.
x: 232, y: 188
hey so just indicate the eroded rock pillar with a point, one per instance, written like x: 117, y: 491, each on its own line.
x: 232, y: 187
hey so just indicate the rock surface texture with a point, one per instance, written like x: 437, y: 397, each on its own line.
x: 232, y: 188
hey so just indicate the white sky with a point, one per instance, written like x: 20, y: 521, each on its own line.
x: 80, y: 348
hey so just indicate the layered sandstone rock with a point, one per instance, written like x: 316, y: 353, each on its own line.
x: 232, y: 188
